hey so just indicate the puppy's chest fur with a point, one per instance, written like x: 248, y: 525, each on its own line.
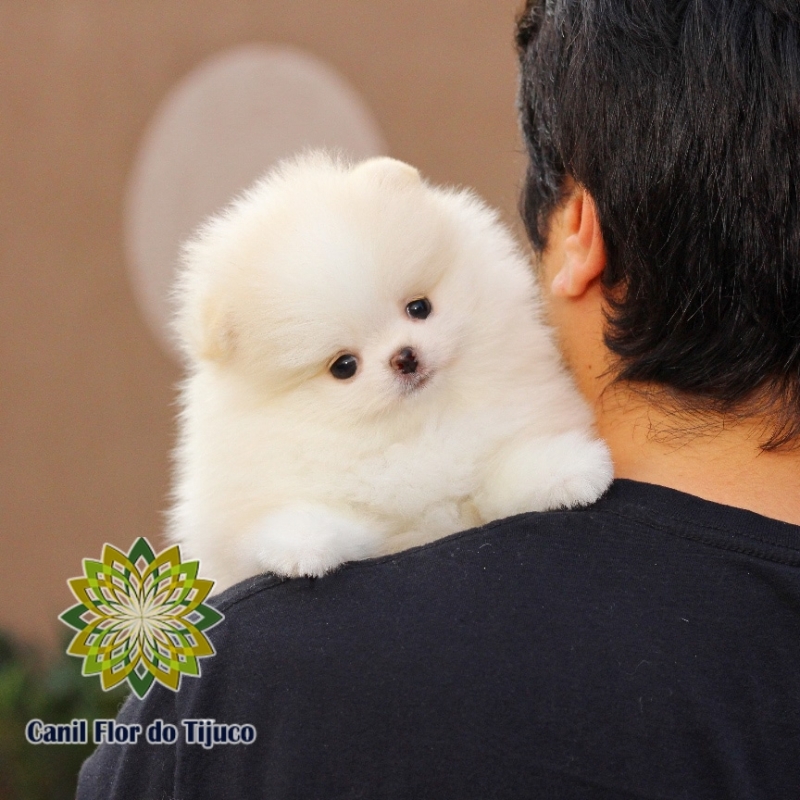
x: 423, y: 483
x: 419, y: 476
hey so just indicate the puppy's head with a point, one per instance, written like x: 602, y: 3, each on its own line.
x: 359, y: 291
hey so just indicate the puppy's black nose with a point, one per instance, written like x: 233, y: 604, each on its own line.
x: 405, y: 362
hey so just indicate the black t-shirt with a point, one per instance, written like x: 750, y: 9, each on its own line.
x: 645, y: 647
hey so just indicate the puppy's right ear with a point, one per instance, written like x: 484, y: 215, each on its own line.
x: 389, y: 170
x: 204, y: 321
x: 215, y: 336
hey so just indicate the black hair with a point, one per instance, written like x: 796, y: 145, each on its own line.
x: 681, y: 118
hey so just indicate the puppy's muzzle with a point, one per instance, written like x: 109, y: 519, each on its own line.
x: 405, y: 362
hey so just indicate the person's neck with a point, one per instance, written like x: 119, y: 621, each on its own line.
x: 712, y: 457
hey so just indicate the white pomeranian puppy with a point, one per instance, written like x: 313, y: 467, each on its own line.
x: 368, y: 371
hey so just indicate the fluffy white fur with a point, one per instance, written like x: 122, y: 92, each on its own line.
x: 282, y: 467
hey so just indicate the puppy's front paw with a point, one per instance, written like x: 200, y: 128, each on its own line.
x: 581, y: 470
x: 310, y: 540
x: 545, y: 473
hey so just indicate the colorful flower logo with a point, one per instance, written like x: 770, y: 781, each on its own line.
x: 140, y: 617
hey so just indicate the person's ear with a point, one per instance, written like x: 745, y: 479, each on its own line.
x: 584, y: 248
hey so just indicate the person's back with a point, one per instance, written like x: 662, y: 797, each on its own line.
x: 647, y: 646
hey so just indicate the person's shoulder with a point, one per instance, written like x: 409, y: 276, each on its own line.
x: 427, y: 568
x: 631, y: 519
x: 461, y: 547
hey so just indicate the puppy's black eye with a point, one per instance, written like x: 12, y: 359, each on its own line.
x: 344, y: 367
x: 419, y: 309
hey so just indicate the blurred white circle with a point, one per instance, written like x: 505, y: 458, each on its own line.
x: 220, y: 128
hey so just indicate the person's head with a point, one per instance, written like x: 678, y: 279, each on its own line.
x: 680, y: 122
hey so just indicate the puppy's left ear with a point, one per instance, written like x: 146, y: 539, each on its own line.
x: 389, y: 170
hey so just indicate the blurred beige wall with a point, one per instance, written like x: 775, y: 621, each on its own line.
x: 86, y: 393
